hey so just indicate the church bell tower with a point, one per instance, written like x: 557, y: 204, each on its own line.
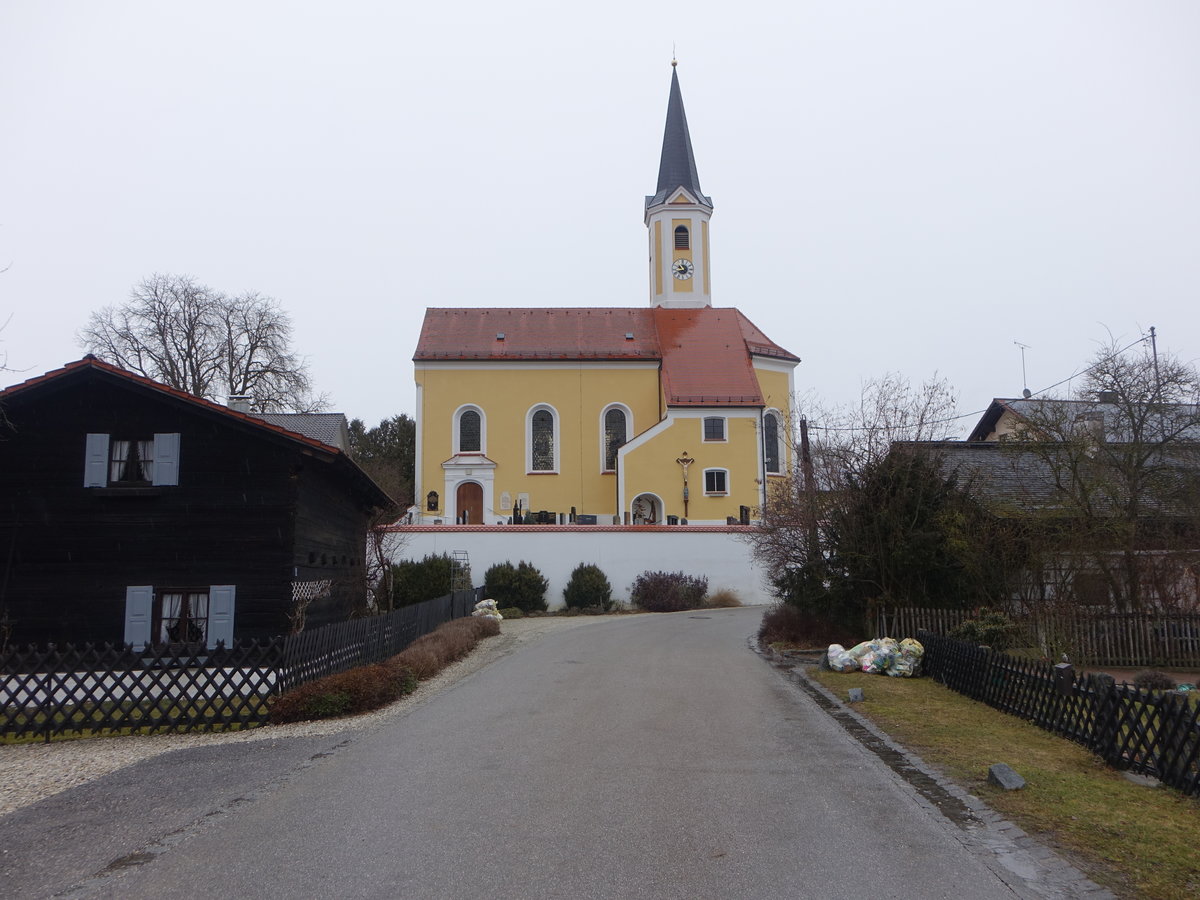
x: 677, y: 217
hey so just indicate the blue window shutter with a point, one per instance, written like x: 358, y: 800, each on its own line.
x: 166, y: 459
x: 220, y: 614
x: 95, y: 461
x: 139, y: 605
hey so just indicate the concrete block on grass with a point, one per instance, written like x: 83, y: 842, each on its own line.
x: 856, y: 695
x: 1003, y: 776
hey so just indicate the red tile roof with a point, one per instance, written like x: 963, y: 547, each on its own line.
x: 546, y: 334
x: 705, y: 353
x: 705, y: 360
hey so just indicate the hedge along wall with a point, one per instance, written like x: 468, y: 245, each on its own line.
x: 719, y: 552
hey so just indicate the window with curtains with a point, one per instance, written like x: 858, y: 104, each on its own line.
x: 181, y: 616
x: 131, y: 462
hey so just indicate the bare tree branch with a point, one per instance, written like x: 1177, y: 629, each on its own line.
x: 175, y: 330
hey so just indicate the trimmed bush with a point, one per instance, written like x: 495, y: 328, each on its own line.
x: 1151, y: 680
x: 588, y: 587
x: 369, y: 687
x: 355, y: 691
x: 989, y: 629
x: 511, y: 612
x: 725, y: 599
x: 786, y: 625
x: 416, y: 582
x: 668, y: 591
x: 521, y: 586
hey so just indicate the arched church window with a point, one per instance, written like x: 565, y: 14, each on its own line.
x: 541, y: 439
x: 682, y: 238
x: 469, y: 432
x: 771, y: 443
x: 614, y: 436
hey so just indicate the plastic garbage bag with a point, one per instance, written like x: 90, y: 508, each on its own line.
x: 858, y: 651
x: 486, y: 609
x: 839, y: 659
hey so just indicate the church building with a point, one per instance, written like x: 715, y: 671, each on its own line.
x: 675, y: 412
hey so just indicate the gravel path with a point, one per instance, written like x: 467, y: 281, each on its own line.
x: 32, y: 772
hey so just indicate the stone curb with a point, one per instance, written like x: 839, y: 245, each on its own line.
x: 1023, y: 862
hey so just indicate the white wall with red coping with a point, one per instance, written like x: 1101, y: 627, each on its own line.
x: 719, y: 552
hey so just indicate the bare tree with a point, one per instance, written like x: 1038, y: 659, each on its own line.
x: 1123, y: 456
x: 175, y: 330
x: 805, y: 538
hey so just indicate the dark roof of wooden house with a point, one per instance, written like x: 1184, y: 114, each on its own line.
x: 315, y: 435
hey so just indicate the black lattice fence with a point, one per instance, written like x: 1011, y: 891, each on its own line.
x: 1151, y: 732
x: 107, y: 689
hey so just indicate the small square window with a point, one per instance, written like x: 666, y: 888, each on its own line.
x: 714, y: 428
x: 131, y: 462
x: 716, y: 481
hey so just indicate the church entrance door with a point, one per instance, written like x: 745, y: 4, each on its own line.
x: 469, y: 503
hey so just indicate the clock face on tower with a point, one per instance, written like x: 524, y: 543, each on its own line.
x: 682, y: 269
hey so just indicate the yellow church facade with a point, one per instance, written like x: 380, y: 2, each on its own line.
x: 673, y: 413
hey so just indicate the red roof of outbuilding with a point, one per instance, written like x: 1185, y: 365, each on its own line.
x: 705, y: 352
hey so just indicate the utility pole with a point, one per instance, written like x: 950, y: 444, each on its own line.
x: 810, y: 489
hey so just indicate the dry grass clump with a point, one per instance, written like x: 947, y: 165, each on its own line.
x: 723, y: 599
x: 366, y: 688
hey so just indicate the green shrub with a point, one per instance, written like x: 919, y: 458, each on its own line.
x: 511, y: 612
x: 521, y: 586
x: 1151, y: 680
x: 668, y: 591
x: 989, y: 628
x: 416, y: 582
x: 588, y: 587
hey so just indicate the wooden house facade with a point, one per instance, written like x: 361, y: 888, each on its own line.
x: 130, y: 511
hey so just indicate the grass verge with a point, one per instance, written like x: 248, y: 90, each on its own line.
x: 1137, y: 841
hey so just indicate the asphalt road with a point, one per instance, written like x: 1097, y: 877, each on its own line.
x: 639, y: 757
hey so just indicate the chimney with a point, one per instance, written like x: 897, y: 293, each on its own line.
x: 240, y: 402
x: 1091, y: 424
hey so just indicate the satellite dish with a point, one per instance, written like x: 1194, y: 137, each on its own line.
x: 1026, y: 393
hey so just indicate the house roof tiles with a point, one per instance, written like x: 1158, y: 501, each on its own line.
x: 706, y: 353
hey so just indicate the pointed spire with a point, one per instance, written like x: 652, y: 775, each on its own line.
x: 677, y: 167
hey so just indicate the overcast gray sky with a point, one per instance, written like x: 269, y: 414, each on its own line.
x: 898, y: 186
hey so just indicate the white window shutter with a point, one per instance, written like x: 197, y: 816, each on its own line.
x: 95, y: 461
x: 139, y: 606
x: 166, y: 459
x: 221, y: 599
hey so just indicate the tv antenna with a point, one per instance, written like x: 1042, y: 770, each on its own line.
x: 1025, y: 392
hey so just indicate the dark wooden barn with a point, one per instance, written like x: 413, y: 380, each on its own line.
x: 131, y: 511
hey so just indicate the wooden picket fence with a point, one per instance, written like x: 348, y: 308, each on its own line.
x: 114, y: 689
x: 1102, y: 640
x: 1154, y: 733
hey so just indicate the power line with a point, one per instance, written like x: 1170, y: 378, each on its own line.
x: 980, y: 412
